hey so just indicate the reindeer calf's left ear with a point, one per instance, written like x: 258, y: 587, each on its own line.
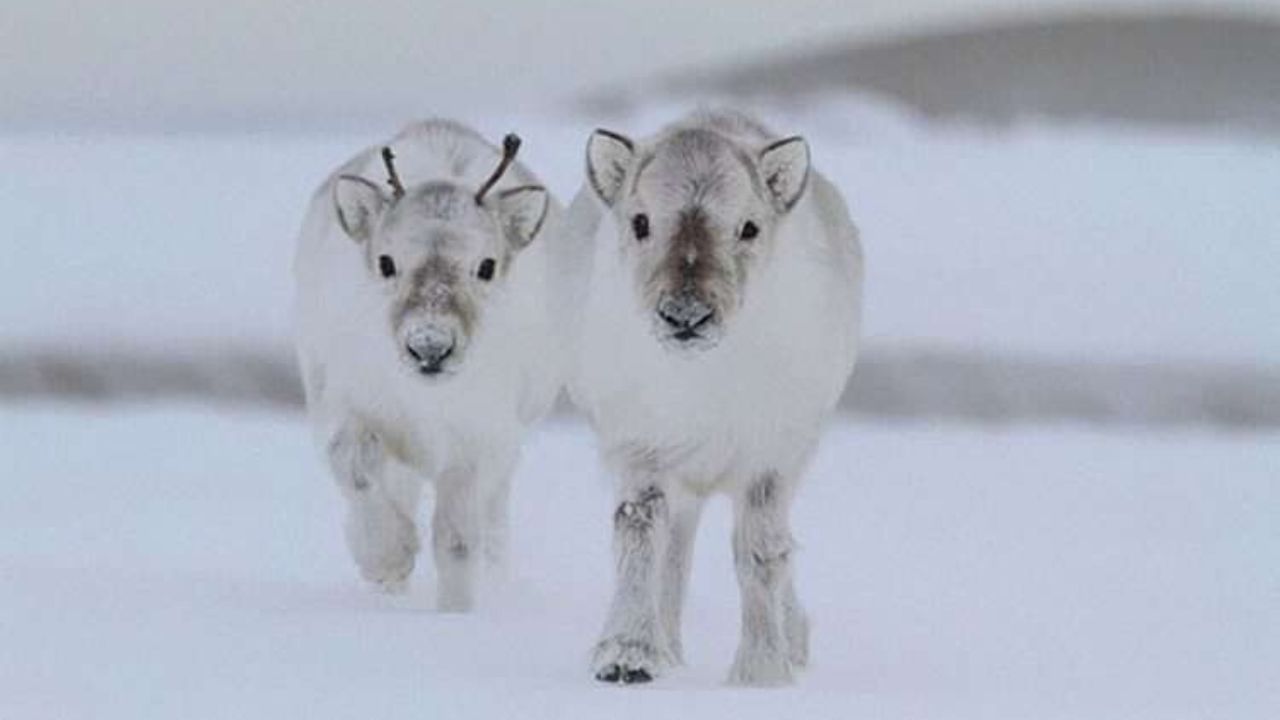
x: 522, y: 210
x: 784, y: 165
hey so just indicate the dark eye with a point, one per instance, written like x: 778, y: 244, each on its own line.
x: 749, y: 230
x: 486, y: 269
x: 386, y: 265
x: 640, y: 226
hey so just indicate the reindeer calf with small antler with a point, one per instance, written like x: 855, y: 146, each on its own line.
x: 426, y: 344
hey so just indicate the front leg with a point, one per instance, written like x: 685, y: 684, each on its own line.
x: 380, y: 530
x: 455, y: 532
x: 631, y: 648
x: 796, y: 624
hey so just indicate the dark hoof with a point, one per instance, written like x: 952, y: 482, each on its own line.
x: 624, y: 676
x: 639, y: 675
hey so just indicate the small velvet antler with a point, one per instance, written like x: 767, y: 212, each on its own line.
x: 510, y: 146
x: 393, y: 179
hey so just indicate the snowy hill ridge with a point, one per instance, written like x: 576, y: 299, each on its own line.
x: 889, y: 383
x: 1184, y: 69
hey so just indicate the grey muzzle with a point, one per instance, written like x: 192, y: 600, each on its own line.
x: 429, y: 346
x: 684, y: 314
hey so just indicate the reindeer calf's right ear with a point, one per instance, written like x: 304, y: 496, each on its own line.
x: 609, y: 156
x: 358, y: 203
x: 522, y: 210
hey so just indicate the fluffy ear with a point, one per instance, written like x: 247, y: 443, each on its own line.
x: 784, y: 165
x: 522, y: 210
x: 358, y: 203
x: 609, y: 156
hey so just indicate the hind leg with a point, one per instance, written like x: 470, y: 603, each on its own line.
x: 685, y: 510
x: 455, y: 539
x: 495, y: 504
x: 762, y: 548
x: 381, y: 532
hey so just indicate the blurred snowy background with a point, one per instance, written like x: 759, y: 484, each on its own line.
x: 1068, y: 211
x: 1056, y: 492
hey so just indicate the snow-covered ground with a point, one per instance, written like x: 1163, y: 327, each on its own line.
x: 1071, y: 243
x: 168, y: 561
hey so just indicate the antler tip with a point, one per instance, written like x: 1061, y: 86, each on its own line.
x: 393, y: 178
x: 510, y: 146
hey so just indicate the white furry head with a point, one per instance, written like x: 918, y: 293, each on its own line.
x: 440, y: 256
x: 696, y: 212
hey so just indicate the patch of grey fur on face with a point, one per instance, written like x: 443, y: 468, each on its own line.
x: 434, y: 288
x: 426, y: 204
x: 436, y: 201
x: 694, y: 169
x: 697, y: 170
x: 437, y: 235
x: 693, y: 263
x: 699, y: 163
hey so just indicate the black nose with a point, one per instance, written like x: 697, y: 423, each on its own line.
x: 430, y: 351
x: 684, y: 314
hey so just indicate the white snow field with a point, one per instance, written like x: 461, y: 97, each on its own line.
x: 165, y: 561
x: 1074, y: 243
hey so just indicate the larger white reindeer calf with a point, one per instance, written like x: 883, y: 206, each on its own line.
x: 721, y: 324
x: 426, y: 345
